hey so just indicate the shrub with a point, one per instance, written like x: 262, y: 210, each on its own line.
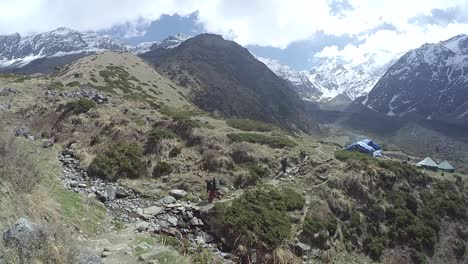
x: 118, y: 161
x: 213, y: 160
x: 250, y: 125
x: 154, y: 138
x: 240, y: 153
x: 79, y: 106
x: 56, y: 86
x: 256, y: 220
x: 292, y: 199
x: 345, y: 155
x: 272, y: 141
x: 314, y: 224
x: 175, y: 152
x: 161, y: 169
x: 374, y: 247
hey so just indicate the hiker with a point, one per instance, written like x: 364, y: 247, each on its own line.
x: 210, y: 190
x: 217, y: 193
x: 302, y: 155
x: 284, y: 164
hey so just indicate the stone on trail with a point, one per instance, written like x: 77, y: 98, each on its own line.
x: 47, y: 143
x: 168, y: 200
x: 152, y: 210
x: 178, y: 194
x: 84, y: 256
x: 108, y: 194
x: 142, y: 226
x: 142, y: 246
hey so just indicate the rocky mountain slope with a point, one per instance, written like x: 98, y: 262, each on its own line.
x: 428, y: 82
x: 304, y: 87
x: 225, y: 78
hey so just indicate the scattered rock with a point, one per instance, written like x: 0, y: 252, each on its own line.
x: 84, y: 256
x: 22, y: 132
x: 168, y: 200
x: 301, y: 248
x: 108, y: 194
x: 5, y: 106
x: 178, y: 194
x: 142, y: 226
x: 142, y: 246
x: 196, y: 222
x: 172, y: 220
x: 47, y: 143
x: 152, y: 210
x: 147, y: 256
x: 8, y: 91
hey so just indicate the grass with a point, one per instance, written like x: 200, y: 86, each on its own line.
x: 73, y: 84
x: 272, y: 141
x: 44, y: 199
x: 344, y: 155
x: 80, y: 211
x: 250, y: 125
x: 56, y: 86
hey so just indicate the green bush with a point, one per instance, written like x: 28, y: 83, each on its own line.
x: 175, y: 152
x: 158, y: 134
x: 374, y: 247
x: 155, y: 136
x: 120, y: 160
x: 292, y: 199
x: 161, y: 169
x: 345, y: 155
x: 272, y: 141
x: 250, y: 125
x: 256, y: 220
x: 256, y: 174
x: 79, y: 106
x: 314, y: 224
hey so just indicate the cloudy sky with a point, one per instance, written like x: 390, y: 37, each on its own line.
x: 296, y: 32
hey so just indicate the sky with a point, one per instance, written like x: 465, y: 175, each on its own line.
x: 296, y: 32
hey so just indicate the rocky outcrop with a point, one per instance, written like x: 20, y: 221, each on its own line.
x: 83, y: 92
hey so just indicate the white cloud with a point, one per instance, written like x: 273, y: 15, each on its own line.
x: 264, y: 22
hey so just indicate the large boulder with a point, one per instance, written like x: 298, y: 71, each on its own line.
x: 152, y: 210
x: 168, y: 200
x: 178, y: 194
x: 22, y: 233
x: 108, y: 194
x: 26, y: 237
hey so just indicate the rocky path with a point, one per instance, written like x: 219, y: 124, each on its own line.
x: 170, y: 215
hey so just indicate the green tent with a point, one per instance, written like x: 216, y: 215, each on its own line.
x: 445, y: 166
x: 428, y: 163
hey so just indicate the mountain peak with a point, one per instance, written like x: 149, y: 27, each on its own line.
x: 63, y: 31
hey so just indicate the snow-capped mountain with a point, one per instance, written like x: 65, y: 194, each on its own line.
x: 331, y: 78
x: 17, y: 51
x: 334, y: 77
x: 304, y: 87
x: 430, y: 81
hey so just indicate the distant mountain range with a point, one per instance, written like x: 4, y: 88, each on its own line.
x: 428, y: 82
x: 331, y: 78
x: 41, y: 52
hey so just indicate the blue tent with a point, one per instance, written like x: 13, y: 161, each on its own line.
x: 362, y: 147
x: 371, y: 143
x: 366, y: 146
